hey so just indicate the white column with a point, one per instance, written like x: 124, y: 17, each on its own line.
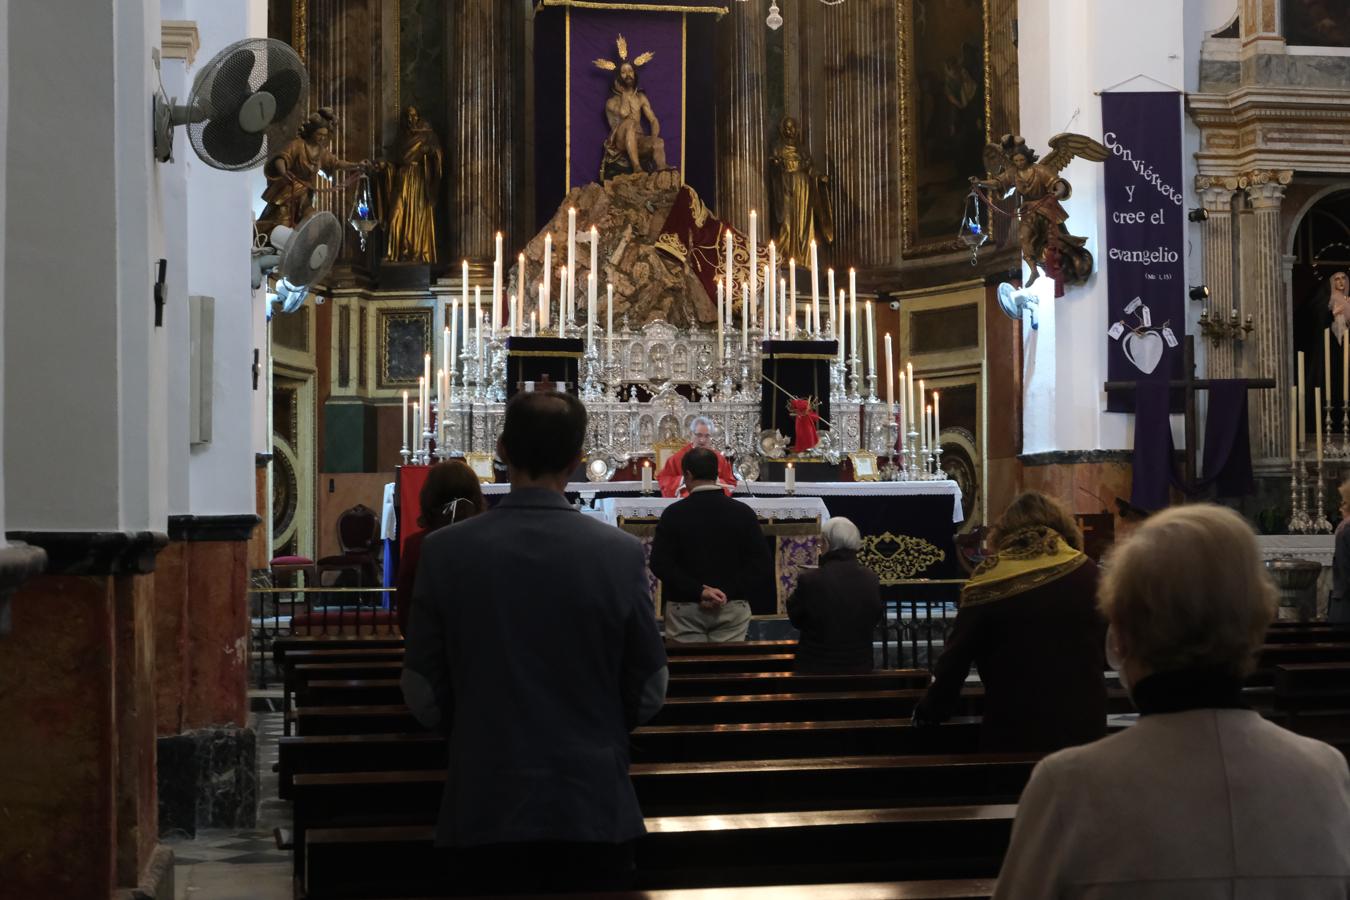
x: 174, y: 203
x: 1270, y: 347
x: 220, y: 207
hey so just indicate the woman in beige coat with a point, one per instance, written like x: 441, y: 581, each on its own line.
x: 1202, y: 798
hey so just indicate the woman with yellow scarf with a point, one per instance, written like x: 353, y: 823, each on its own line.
x: 1028, y: 621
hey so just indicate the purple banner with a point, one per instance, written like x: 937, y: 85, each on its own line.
x: 1145, y: 240
x: 593, y: 36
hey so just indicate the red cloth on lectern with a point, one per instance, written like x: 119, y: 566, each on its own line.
x: 672, y: 474
x: 805, y: 433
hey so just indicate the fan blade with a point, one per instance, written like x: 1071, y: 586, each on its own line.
x: 285, y: 86
x: 230, y: 86
x: 226, y: 142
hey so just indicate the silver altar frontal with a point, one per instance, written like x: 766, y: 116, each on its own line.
x: 643, y: 387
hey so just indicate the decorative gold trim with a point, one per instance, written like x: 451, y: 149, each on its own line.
x: 904, y: 44
x: 912, y: 556
x: 481, y: 465
x: 869, y: 460
x: 633, y: 7
x: 567, y: 100
x: 544, y: 354
x: 179, y: 39
x: 827, y: 357
x: 383, y: 318
x: 793, y: 459
x: 300, y: 30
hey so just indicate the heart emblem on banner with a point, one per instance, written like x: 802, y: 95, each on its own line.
x: 1144, y: 350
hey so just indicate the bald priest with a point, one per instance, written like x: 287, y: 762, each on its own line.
x: 671, y: 476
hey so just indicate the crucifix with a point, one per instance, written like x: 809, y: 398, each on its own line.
x: 1189, y: 384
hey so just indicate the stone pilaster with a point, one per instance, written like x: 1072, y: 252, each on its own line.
x: 1270, y: 346
x: 481, y: 160
x: 1217, y: 232
x: 742, y: 131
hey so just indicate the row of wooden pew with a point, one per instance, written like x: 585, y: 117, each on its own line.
x: 750, y: 776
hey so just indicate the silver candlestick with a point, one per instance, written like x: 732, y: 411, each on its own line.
x: 855, y: 378
x: 1299, y: 522
x: 1321, y: 525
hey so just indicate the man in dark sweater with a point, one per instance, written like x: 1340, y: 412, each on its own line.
x: 711, y: 557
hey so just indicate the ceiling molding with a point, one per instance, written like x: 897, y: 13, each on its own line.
x: 179, y: 39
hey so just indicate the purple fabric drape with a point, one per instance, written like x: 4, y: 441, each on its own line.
x: 1228, y: 454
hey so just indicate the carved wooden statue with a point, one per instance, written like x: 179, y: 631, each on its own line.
x: 412, y: 183
x: 801, y: 205
x: 292, y: 172
x: 628, y: 149
x: 1046, y: 241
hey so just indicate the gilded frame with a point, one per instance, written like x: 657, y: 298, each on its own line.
x: 864, y: 466
x: 481, y: 465
x: 404, y: 315
x: 910, y: 245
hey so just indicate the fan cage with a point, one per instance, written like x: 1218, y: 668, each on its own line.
x: 220, y: 89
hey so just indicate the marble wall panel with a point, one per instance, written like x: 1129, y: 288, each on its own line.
x: 171, y: 631
x: 218, y: 643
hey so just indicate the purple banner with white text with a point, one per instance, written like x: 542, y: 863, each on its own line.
x: 1145, y: 240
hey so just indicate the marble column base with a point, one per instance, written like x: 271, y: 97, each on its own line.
x: 208, y: 778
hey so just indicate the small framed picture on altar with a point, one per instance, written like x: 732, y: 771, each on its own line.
x: 481, y: 464
x: 864, y: 466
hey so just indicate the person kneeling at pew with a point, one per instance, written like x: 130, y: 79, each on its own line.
x: 836, y: 607
x: 1202, y: 798
x: 711, y: 557
x: 533, y: 642
x: 1029, y: 622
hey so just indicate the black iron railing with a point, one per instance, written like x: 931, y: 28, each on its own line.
x: 917, y: 625
x: 314, y: 611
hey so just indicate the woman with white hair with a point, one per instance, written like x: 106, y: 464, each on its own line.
x: 1202, y: 798
x: 836, y: 606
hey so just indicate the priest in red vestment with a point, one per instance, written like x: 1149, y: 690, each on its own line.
x: 671, y: 476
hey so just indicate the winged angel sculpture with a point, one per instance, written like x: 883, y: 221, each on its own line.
x: 1046, y: 242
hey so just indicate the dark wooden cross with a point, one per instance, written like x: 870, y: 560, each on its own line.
x: 1190, y: 385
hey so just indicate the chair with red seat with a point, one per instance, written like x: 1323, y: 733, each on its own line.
x: 358, y: 532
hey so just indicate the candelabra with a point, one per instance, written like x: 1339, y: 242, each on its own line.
x: 912, y: 453
x: 1299, y: 520
x: 872, y: 388
x: 890, y: 471
x: 855, y: 378
x: 1219, y: 330
x: 592, y: 385
x: 494, y: 390
x: 937, y: 463
x: 1321, y: 525
x: 1326, y: 429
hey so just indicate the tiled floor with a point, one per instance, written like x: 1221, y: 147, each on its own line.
x: 241, y: 865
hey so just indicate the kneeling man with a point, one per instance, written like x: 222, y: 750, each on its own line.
x: 711, y: 557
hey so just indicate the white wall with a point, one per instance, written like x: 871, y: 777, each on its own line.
x: 219, y: 233
x: 173, y: 192
x: 1068, y: 51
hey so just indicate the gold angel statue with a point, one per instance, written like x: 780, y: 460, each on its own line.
x: 1046, y: 241
x: 628, y: 149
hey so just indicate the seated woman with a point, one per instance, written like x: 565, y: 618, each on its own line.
x: 1202, y: 798
x: 1028, y: 621
x: 837, y: 606
x: 450, y: 494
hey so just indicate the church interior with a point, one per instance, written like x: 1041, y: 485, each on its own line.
x: 895, y: 261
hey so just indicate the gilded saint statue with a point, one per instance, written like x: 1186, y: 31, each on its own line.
x: 1045, y: 239
x: 412, y: 183
x: 628, y: 148
x: 801, y: 206
x: 293, y: 171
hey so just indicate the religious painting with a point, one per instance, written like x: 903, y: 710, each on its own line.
x: 405, y: 337
x: 1316, y: 23
x: 944, y: 116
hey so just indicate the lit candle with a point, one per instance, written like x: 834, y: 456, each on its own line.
x: 478, y: 327
x: 518, y: 311
x: 497, y: 285
x: 937, y: 422
x: 923, y: 432
x: 834, y: 317
x: 815, y: 289
x: 464, y: 284
x: 839, y: 327
x: 768, y: 302
x: 590, y: 309
x: 772, y: 281
x: 446, y: 358
x: 562, y: 301
x: 928, y: 426
x: 790, y: 477
x: 792, y: 292
x: 595, y: 253
x: 544, y: 283
x: 720, y: 300
x: 646, y: 476
x: 903, y: 395
x: 853, y: 308
x: 440, y: 389
x: 871, y: 342
x: 731, y: 263
x: 745, y: 316
x: 1302, y: 423
x: 609, y: 316
x: 417, y: 426
x: 909, y: 373
x: 789, y: 313
x: 1345, y: 374
x: 1317, y: 422
x: 464, y: 329
x: 1293, y: 423
x: 405, y: 418
x: 754, y: 263
x: 533, y: 323
x: 426, y: 380
x: 890, y: 376
x: 569, y: 292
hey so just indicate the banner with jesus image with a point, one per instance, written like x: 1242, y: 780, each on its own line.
x: 1145, y: 240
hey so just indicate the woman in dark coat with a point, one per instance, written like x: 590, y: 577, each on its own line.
x: 836, y: 607
x: 450, y: 494
x: 1029, y: 622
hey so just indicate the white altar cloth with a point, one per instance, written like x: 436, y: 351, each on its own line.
x: 767, y: 489
x: 614, y: 508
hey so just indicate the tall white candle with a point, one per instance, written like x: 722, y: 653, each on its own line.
x: 1302, y: 423
x: 792, y: 294
x: 426, y: 379
x: 1317, y: 422
x: 721, y: 294
x: 903, y: 395
x: 446, y: 362
x: 464, y: 283
x: 590, y: 309
x: 569, y: 293
x: 731, y: 263
x: 768, y: 302
x: 562, y: 301
x: 815, y: 289
x: 1326, y: 367
x: 754, y: 263
x: 518, y: 311
x: 464, y: 329
x: 533, y: 323
x: 1293, y: 423
x: 909, y: 372
x: 1345, y: 372
x: 595, y: 253
x: 417, y: 426
x: 790, y: 477
x: 405, y: 418
x: 890, y: 376
x: 497, y: 285
x: 834, y: 317
x: 745, y: 317
x: 928, y: 423
x: 772, y: 280
x: 440, y: 389
x: 545, y: 284
x: 646, y: 476
x: 789, y: 314
x: 937, y: 421
x: 609, y: 316
x: 871, y: 342
x: 839, y: 327
x: 478, y: 327
x: 853, y: 309
x: 923, y: 431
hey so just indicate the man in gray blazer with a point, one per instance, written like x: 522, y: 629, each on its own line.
x: 534, y: 645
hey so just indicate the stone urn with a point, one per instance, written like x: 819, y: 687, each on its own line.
x: 1297, y: 583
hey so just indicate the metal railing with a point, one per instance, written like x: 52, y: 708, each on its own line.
x: 918, y: 625
x: 277, y: 612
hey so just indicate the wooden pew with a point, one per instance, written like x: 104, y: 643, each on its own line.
x: 944, y: 889
x: 705, y: 663
x: 1314, y: 699
x: 1272, y: 656
x: 738, y: 849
